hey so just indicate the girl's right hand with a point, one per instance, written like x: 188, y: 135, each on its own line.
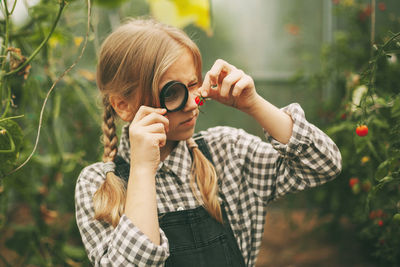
x: 147, y: 133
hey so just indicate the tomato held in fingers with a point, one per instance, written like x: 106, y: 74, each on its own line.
x: 362, y: 130
x: 199, y: 100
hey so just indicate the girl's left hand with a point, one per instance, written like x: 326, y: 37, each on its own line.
x: 229, y: 85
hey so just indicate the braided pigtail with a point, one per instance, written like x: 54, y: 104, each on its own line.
x: 109, y: 199
x: 204, y: 175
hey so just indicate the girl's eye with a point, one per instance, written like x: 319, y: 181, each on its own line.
x: 192, y: 85
x: 171, y: 94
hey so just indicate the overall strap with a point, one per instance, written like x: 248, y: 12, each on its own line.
x: 122, y: 168
x: 203, y: 146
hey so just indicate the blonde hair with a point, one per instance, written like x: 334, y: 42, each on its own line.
x: 131, y: 62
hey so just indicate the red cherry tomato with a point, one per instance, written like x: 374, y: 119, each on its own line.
x: 353, y: 181
x: 362, y: 130
x: 199, y: 100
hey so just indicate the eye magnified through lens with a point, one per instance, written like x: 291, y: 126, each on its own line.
x: 173, y: 96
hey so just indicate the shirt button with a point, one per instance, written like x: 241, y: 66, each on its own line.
x: 179, y: 209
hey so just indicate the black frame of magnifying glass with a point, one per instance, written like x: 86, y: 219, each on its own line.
x: 164, y: 89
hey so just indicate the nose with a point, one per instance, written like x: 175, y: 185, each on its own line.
x: 191, y: 103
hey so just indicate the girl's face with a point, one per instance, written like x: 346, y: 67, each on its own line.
x: 182, y: 122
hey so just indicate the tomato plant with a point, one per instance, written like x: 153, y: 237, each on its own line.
x: 362, y: 65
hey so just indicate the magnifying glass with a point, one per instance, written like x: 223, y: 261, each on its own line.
x: 173, y: 96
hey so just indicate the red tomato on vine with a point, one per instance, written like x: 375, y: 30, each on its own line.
x: 353, y: 181
x: 362, y: 130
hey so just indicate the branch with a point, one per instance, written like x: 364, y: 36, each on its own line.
x: 11, y: 118
x: 37, y: 50
x: 13, y: 8
x: 51, y: 89
x: 390, y: 40
x: 10, y: 139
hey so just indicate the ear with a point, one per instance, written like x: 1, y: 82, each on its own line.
x: 122, y: 107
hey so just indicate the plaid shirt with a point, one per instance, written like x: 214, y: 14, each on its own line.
x: 251, y: 173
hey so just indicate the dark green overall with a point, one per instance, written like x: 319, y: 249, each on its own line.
x: 195, y: 238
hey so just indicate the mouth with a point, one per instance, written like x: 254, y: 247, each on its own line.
x: 191, y: 119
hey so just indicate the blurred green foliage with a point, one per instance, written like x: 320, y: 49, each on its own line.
x: 37, y: 225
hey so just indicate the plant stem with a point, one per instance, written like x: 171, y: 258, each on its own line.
x: 381, y: 52
x: 11, y: 118
x: 37, y: 50
x: 390, y: 40
x: 373, y: 5
x: 6, y: 37
x: 13, y: 8
x: 8, y: 101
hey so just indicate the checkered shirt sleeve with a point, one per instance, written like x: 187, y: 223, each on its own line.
x: 272, y: 169
x: 310, y: 158
x: 125, y: 245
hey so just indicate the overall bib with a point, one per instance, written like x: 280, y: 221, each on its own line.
x: 195, y: 238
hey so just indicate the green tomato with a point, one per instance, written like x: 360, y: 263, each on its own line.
x: 396, y: 217
x: 356, y: 189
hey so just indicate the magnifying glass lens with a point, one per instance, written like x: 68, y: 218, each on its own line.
x: 175, y: 96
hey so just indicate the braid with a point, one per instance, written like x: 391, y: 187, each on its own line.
x: 109, y: 199
x: 205, y: 177
x: 110, y: 138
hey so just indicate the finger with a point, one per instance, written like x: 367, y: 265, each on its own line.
x: 159, y: 139
x: 218, y: 67
x: 154, y: 118
x: 146, y: 110
x: 155, y: 128
x: 205, y: 87
x: 245, y: 82
x: 229, y: 81
x: 155, y: 139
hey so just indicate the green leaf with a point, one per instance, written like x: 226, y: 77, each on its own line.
x: 109, y: 4
x: 76, y: 253
x: 386, y: 179
x: 383, y: 169
x: 346, y: 126
x: 48, y: 160
x: 396, y: 108
x: 379, y: 123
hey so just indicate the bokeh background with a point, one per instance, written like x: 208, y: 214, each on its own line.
x: 337, y: 58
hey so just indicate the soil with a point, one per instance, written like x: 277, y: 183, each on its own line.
x: 294, y: 239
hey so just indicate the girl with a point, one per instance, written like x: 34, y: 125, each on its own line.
x: 166, y: 198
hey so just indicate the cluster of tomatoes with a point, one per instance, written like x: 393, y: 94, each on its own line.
x: 356, y: 186
x: 378, y: 216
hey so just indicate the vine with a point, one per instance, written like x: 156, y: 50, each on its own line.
x: 24, y: 64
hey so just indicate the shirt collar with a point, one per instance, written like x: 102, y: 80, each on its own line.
x: 178, y: 162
